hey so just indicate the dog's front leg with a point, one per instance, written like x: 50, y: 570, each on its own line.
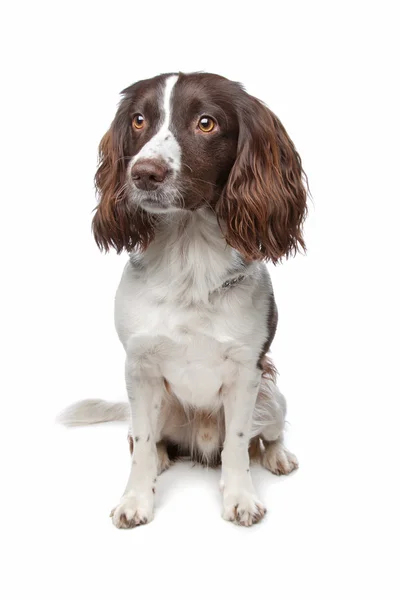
x: 145, y: 388
x: 240, y: 502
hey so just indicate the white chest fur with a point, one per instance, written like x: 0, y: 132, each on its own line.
x: 173, y: 294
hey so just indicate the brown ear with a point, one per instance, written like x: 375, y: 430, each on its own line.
x: 263, y: 204
x: 116, y: 224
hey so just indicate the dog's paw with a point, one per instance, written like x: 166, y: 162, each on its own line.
x: 132, y: 512
x: 243, y: 508
x: 277, y: 459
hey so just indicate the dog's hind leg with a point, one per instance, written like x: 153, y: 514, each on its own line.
x: 268, y: 425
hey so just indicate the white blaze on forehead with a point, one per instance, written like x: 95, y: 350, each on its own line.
x: 163, y: 144
x: 169, y: 86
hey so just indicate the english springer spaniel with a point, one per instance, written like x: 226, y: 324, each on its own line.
x: 201, y: 184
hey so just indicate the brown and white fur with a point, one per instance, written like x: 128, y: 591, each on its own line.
x: 200, y: 182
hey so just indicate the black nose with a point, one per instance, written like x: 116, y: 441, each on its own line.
x: 149, y: 174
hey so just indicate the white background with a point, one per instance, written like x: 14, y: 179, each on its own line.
x: 330, y: 72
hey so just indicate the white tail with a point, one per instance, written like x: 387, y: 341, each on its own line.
x: 88, y: 412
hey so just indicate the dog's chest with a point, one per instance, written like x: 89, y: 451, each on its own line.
x: 197, y: 338
x: 196, y: 367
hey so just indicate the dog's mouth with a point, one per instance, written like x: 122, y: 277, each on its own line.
x: 166, y: 199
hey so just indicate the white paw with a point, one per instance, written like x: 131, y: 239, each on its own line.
x: 243, y: 508
x: 133, y: 511
x: 277, y: 459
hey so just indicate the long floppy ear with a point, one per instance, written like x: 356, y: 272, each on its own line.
x: 263, y: 205
x: 116, y: 224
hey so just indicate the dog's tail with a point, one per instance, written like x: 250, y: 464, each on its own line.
x: 88, y: 412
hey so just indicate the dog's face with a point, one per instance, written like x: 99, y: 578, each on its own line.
x: 181, y: 142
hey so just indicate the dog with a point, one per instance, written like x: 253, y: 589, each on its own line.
x: 200, y: 183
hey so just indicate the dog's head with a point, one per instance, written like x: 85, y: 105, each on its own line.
x: 181, y: 142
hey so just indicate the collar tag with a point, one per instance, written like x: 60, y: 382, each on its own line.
x: 231, y: 282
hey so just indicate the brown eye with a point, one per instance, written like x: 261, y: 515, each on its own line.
x: 138, y: 121
x: 206, y: 124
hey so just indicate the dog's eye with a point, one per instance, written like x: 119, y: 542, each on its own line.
x: 138, y: 121
x: 206, y: 124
